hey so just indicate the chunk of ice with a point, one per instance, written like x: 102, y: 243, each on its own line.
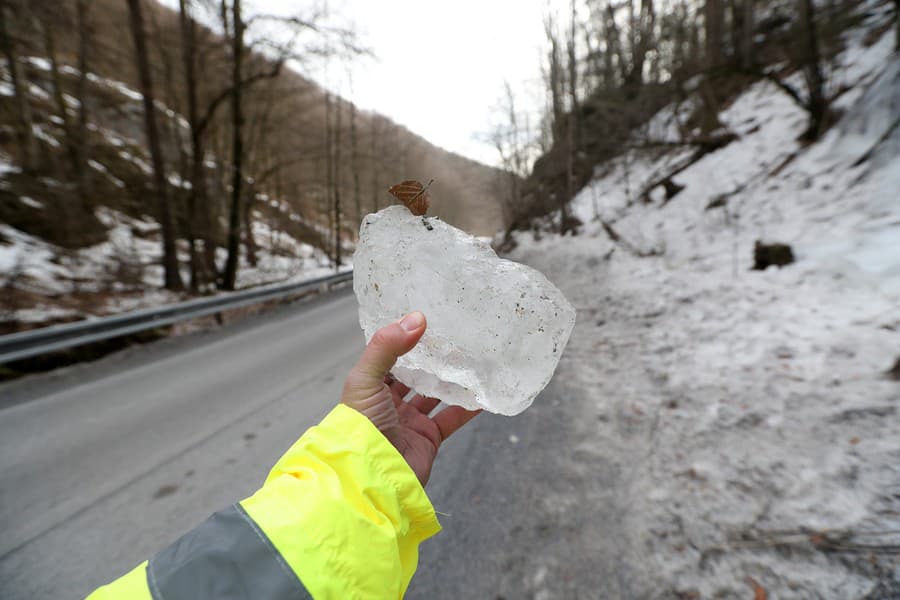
x: 496, y: 328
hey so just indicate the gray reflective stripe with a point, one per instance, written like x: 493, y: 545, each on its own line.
x: 227, y: 557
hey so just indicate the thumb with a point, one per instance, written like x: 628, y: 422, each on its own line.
x: 364, y: 389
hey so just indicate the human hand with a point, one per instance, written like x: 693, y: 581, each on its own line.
x: 371, y: 390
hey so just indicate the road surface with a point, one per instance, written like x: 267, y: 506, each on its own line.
x: 103, y: 464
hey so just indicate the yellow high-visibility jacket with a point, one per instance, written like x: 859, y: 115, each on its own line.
x: 341, y: 515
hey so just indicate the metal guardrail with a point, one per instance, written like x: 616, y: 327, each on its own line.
x: 26, y: 344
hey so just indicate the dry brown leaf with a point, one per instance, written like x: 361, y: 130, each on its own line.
x: 412, y: 194
x: 759, y: 592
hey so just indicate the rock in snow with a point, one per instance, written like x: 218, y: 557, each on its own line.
x: 496, y: 328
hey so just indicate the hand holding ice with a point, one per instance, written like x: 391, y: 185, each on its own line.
x: 496, y: 328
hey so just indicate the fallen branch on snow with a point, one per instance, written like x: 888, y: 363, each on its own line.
x: 825, y: 540
x: 631, y: 248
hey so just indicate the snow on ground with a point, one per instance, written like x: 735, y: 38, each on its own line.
x: 286, y: 260
x: 7, y: 167
x: 125, y: 270
x: 748, y: 411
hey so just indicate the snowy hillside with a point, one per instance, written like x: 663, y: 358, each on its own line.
x: 749, y: 412
x: 47, y: 282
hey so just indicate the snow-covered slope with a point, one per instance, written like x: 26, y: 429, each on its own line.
x: 749, y: 411
x: 124, y: 272
x: 45, y: 282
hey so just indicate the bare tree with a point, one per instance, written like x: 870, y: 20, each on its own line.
x: 82, y: 141
x: 817, y: 103
x: 74, y: 132
x: 24, y: 122
x: 556, y: 83
x: 808, y: 57
x: 170, y: 257
x: 197, y: 194
x: 332, y: 157
x: 200, y: 119
x: 338, y: 163
x: 713, y: 23
x: 375, y: 166
x: 572, y: 125
x: 681, y: 29
x: 641, y: 41
x: 355, y: 162
x: 747, y: 28
x: 511, y: 138
x: 59, y: 96
x: 229, y: 276
x: 241, y: 83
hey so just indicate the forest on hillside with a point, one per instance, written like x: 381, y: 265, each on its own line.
x: 190, y: 150
x: 611, y: 65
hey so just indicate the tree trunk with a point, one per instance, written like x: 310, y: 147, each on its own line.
x: 695, y: 57
x: 171, y: 97
x: 631, y: 34
x: 641, y: 39
x: 572, y: 124
x: 199, y: 223
x: 609, y: 70
x: 614, y: 43
x: 748, y: 60
x: 82, y: 143
x: 170, y: 255
x: 59, y: 95
x: 247, y: 226
x: 713, y: 23
x: 736, y: 17
x: 329, y: 177
x: 69, y: 218
x: 229, y: 278
x: 815, y: 80
x: 557, y: 87
x: 354, y: 162
x: 375, y: 166
x: 336, y: 172
x: 24, y: 123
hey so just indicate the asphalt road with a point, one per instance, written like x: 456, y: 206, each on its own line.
x: 103, y: 464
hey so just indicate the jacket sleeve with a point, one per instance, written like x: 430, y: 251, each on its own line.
x: 341, y: 515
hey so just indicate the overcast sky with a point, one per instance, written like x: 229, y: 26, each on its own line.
x: 439, y: 65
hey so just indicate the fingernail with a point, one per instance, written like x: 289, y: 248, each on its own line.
x: 412, y: 321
